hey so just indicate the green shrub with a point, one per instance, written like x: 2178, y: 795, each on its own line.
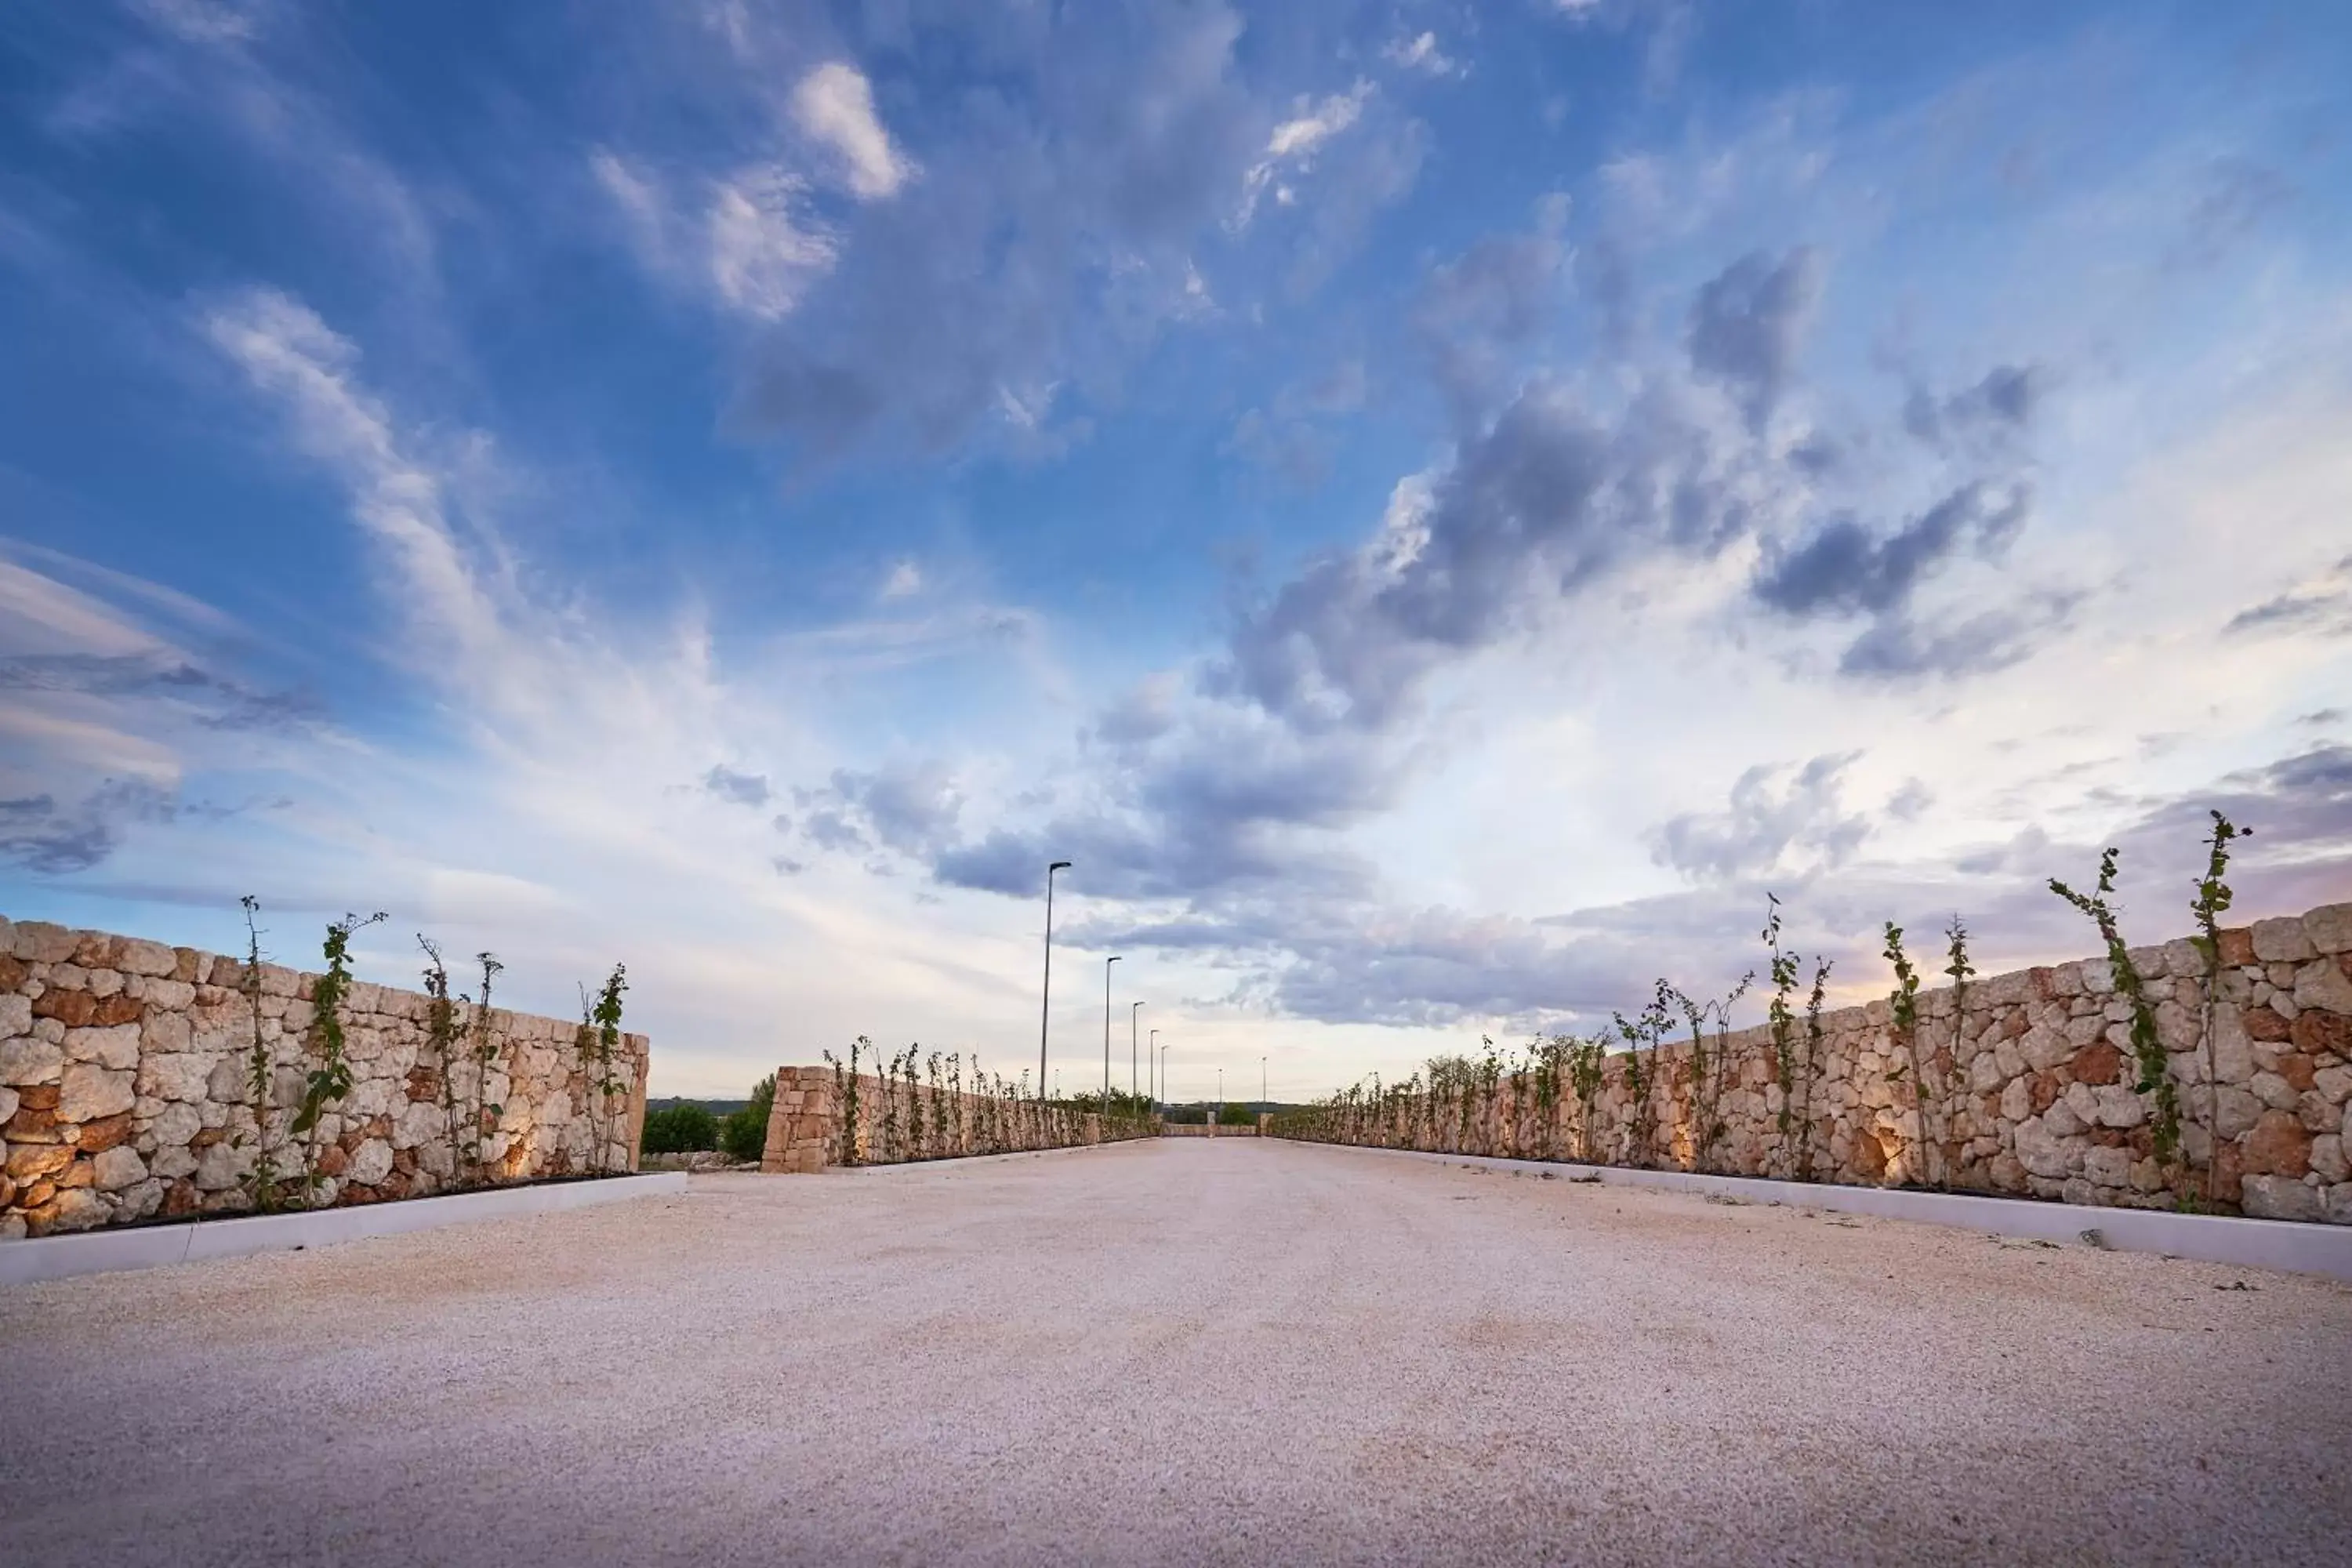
x: 1238, y: 1116
x: 744, y: 1134
x: 680, y: 1128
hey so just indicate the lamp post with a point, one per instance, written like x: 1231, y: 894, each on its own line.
x: 1114, y: 958
x: 1150, y: 1051
x: 1261, y: 1085
x: 1045, y: 1004
x: 1134, y: 1084
x: 1163, y: 1071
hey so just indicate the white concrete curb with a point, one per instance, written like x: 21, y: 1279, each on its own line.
x: 151, y: 1247
x: 956, y: 1161
x: 2290, y: 1246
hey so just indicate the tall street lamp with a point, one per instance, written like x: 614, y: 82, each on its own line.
x: 1151, y: 1050
x: 1046, y: 1005
x: 1114, y: 958
x: 1261, y: 1085
x: 1163, y: 1072
x: 1134, y: 1084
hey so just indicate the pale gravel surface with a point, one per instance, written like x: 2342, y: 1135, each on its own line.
x: 1212, y: 1350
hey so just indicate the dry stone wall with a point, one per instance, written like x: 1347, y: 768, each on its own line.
x: 2034, y: 1095
x: 125, y: 1088
x: 814, y: 1123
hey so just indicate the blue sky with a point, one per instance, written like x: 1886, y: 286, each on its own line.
x: 1435, y: 509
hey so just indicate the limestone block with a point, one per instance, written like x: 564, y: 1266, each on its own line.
x: 221, y: 1166
x: 38, y: 941
x: 2323, y: 984
x: 2279, y: 1145
x: 225, y: 1082
x: 2044, y: 1049
x: 2273, y: 1090
x: 2108, y: 1167
x: 15, y: 1015
x: 167, y: 995
x: 2120, y: 1106
x: 172, y: 1162
x: 79, y: 1209
x: 2328, y: 928
x: 174, y: 1124
x: 8, y: 1100
x: 166, y: 1031
x: 2282, y: 941
x: 137, y: 957
x: 139, y: 1201
x: 2038, y: 1150
x: 28, y: 1059
x: 2327, y: 1161
x: 371, y: 1162
x: 117, y: 1168
x: 2277, y: 1197
x: 116, y: 1047
x: 90, y: 1091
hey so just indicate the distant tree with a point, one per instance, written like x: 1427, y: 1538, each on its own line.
x: 1237, y: 1115
x: 680, y: 1128
x: 744, y: 1135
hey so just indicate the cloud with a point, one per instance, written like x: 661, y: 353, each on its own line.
x: 753, y: 250
x: 1844, y: 569
x: 1421, y: 53
x: 1296, y: 141
x: 1479, y: 314
x: 834, y: 105
x: 1049, y: 245
x: 905, y: 581
x: 212, y: 701
x: 741, y: 789
x: 1747, y: 324
x: 1905, y: 645
x: 913, y: 811
x: 38, y: 835
x: 1532, y: 509
x: 1763, y: 826
x: 2330, y: 615
x: 2003, y: 403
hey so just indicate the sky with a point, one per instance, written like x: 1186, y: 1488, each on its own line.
x: 1436, y: 509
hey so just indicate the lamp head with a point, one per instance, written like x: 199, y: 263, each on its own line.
x: 1057, y: 866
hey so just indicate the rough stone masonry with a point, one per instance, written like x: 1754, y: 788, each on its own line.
x: 125, y: 1088
x: 2034, y: 1095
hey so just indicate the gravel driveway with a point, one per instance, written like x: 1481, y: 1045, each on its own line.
x: 1198, y: 1350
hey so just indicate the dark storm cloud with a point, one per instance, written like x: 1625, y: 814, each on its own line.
x: 39, y: 836
x: 1845, y: 569
x: 1748, y: 323
x: 1533, y: 508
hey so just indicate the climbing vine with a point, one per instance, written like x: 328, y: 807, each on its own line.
x: 2213, y: 901
x: 329, y: 1079
x: 1902, y: 1004
x: 1783, y: 1023
x: 2146, y: 1045
x: 260, y: 1070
